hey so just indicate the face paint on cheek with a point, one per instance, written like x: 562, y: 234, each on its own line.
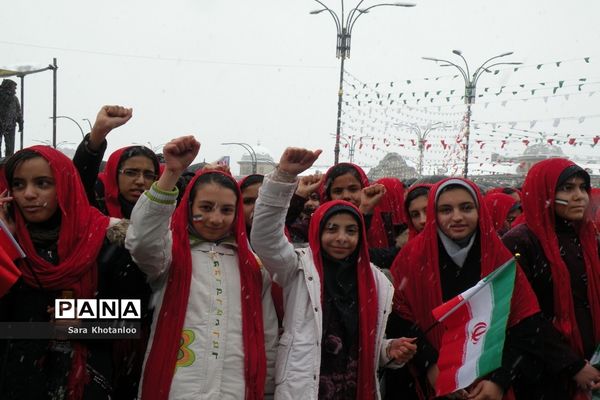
x: 197, y: 218
x: 562, y: 202
x: 45, y: 204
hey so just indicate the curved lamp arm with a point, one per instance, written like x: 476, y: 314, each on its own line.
x: 450, y: 63
x: 459, y: 53
x: 338, y: 23
x: 351, y: 16
x: 483, y: 66
x: 487, y: 69
x: 366, y: 10
x: 72, y: 120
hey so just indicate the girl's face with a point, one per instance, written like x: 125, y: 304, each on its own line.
x: 572, y: 199
x: 213, y: 211
x: 311, y: 205
x: 457, y: 214
x: 135, y: 176
x: 346, y: 187
x: 510, y: 218
x: 34, y: 190
x: 340, y: 235
x: 249, y: 196
x: 417, y: 211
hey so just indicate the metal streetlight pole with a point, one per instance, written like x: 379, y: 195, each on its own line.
x: 22, y: 108
x: 54, y: 102
x: 74, y: 121
x: 250, y: 150
x: 88, y: 121
x: 352, y: 141
x: 470, y: 88
x: 344, y: 25
x: 422, y: 132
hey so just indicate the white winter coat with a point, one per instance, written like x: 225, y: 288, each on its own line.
x: 299, y: 352
x: 213, y: 323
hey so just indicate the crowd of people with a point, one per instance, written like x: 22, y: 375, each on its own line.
x: 290, y: 286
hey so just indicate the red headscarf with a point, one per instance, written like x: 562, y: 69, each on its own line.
x: 162, y: 358
x: 327, y: 181
x: 276, y: 290
x: 416, y: 271
x: 502, y: 190
x: 412, y: 230
x: 110, y: 179
x: 391, y: 203
x: 539, y: 192
x: 82, y: 232
x: 367, y: 296
x: 499, y: 204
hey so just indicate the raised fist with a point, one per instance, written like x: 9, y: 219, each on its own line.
x: 108, y: 118
x: 308, y: 184
x: 179, y: 153
x: 370, y: 197
x: 295, y: 160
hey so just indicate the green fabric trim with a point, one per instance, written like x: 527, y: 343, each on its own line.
x: 174, y: 192
x: 160, y: 201
x: 161, y: 196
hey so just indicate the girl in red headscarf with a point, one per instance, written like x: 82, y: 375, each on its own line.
x: 128, y: 172
x: 512, y: 192
x: 114, y: 191
x: 336, y: 301
x: 558, y: 249
x: 415, y: 205
x: 63, y: 238
x: 388, y: 215
x: 214, y: 329
x: 503, y: 210
x: 249, y: 186
x: 457, y: 248
x: 403, y: 381
x: 348, y: 182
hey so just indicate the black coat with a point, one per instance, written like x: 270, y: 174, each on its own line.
x: 551, y: 372
x: 522, y: 344
x: 39, y: 369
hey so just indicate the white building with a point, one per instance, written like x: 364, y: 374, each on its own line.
x: 264, y: 161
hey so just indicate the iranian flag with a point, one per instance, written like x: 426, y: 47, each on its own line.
x: 595, y: 360
x: 475, y: 326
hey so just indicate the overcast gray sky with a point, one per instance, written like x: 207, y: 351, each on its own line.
x: 265, y: 70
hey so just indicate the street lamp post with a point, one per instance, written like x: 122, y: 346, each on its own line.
x: 88, y: 121
x: 344, y: 25
x: 422, y: 132
x: 470, y: 88
x: 352, y: 141
x: 250, y: 150
x: 72, y: 120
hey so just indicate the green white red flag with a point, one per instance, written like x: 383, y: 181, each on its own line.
x: 475, y: 327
